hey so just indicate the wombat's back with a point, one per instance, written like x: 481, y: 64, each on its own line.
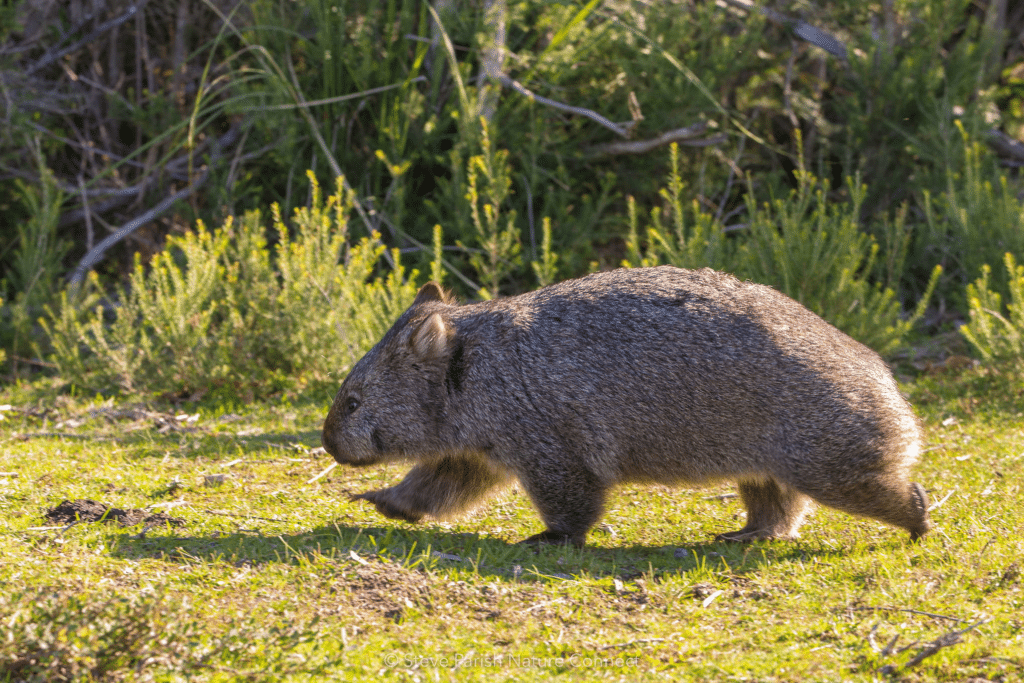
x: 666, y: 374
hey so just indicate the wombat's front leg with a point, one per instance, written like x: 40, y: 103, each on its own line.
x: 569, y: 498
x: 773, y: 511
x: 440, y: 488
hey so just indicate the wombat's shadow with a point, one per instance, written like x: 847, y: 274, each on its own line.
x: 490, y: 557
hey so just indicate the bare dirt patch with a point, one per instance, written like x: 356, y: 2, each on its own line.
x: 84, y: 510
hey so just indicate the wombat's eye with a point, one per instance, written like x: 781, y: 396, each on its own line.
x: 351, y: 405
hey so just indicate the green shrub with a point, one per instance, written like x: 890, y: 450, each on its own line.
x: 36, y: 262
x: 814, y: 251
x: 495, y: 229
x: 809, y: 248
x: 3, y: 353
x: 700, y: 244
x: 216, y: 309
x: 997, y: 333
x: 975, y: 221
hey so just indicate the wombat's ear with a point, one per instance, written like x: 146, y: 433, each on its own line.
x: 430, y: 340
x: 431, y: 292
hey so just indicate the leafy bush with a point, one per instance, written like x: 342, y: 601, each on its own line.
x: 975, y: 221
x: 35, y: 266
x: 997, y: 333
x: 815, y: 252
x: 701, y: 244
x: 500, y: 245
x: 391, y: 95
x: 217, y: 309
x: 804, y: 246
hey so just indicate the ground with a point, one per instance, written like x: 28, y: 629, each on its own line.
x: 143, y: 541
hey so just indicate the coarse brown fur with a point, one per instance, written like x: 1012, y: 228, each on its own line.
x: 636, y: 375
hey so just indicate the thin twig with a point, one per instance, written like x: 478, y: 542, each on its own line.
x: 228, y: 514
x: 87, y: 212
x: 909, y: 611
x: 787, y: 88
x: 529, y: 218
x: 34, y: 361
x: 872, y: 643
x: 944, y: 499
x: 339, y: 98
x: 887, y: 650
x: 168, y: 505
x: 734, y: 170
x: 546, y: 603
x: 324, y: 473
x: 629, y: 643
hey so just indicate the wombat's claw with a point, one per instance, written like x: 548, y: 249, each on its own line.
x: 551, y: 537
x: 385, y: 507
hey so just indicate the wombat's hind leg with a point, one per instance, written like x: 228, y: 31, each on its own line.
x: 921, y: 505
x: 441, y: 488
x: 885, y: 496
x: 773, y: 511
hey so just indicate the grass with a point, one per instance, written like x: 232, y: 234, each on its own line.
x: 275, y: 578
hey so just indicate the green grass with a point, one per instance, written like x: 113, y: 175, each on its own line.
x: 275, y: 578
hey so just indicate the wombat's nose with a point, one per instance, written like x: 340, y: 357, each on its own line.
x: 330, y: 445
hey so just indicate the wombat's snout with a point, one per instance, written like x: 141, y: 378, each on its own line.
x: 330, y: 445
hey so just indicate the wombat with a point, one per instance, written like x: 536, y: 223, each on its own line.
x: 658, y: 375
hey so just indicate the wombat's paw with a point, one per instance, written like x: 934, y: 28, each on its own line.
x: 748, y: 535
x: 387, y: 507
x: 552, y: 537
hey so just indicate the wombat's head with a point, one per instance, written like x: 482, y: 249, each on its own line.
x: 393, y: 402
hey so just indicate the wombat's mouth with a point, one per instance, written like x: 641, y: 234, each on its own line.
x: 346, y: 459
x: 361, y: 462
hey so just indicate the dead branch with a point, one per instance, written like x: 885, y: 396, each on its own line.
x: 683, y: 136
x: 623, y: 129
x: 801, y: 29
x: 1005, y: 146
x: 945, y: 498
x: 51, y: 57
x: 945, y: 640
x: 908, y: 611
x: 95, y: 255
